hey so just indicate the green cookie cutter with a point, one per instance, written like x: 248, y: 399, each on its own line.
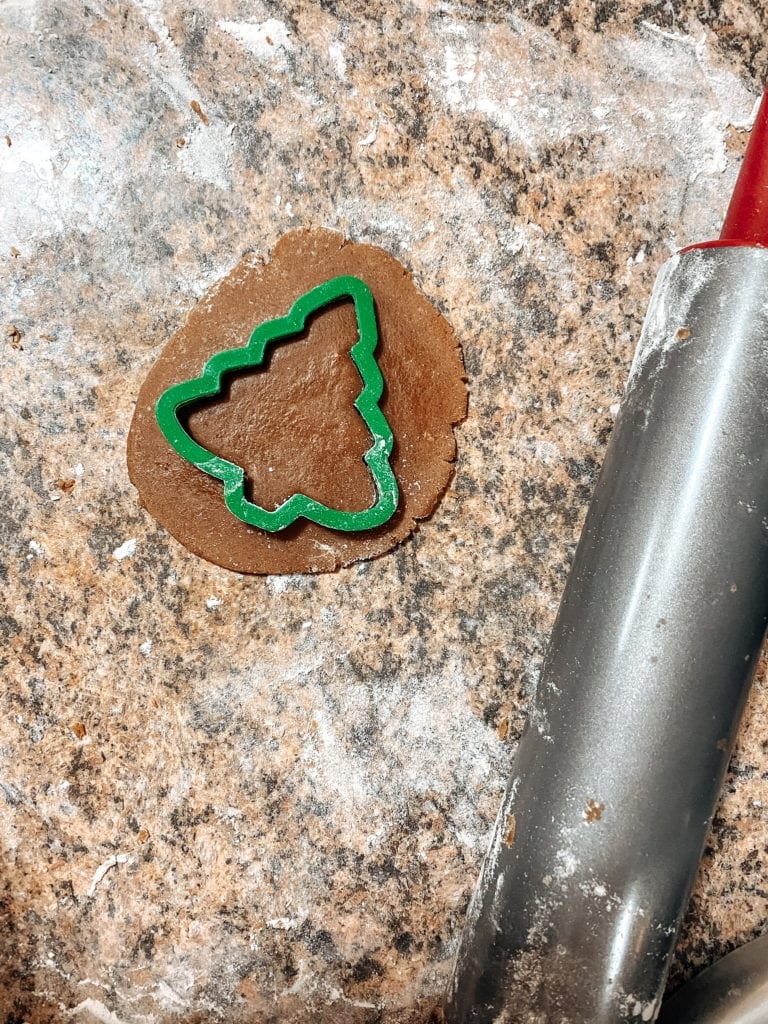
x: 376, y: 458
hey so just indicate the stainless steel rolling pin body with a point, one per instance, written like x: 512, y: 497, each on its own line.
x: 616, y: 778
x: 732, y: 991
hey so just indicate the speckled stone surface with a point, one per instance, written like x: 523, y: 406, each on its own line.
x: 250, y: 800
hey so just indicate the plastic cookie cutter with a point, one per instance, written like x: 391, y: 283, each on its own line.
x: 376, y: 458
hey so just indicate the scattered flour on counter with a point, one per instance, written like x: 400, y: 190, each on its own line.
x: 370, y: 138
x: 284, y: 924
x: 47, y: 184
x: 37, y: 549
x: 207, y: 155
x: 96, y: 1010
x: 103, y: 869
x: 20, y: 14
x: 460, y: 67
x: 509, y: 74
x: 168, y: 996
x: 267, y: 40
x: 164, y: 53
x: 337, y: 58
x: 379, y: 746
x: 424, y: 725
x: 126, y: 550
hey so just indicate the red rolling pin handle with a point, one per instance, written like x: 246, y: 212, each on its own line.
x: 746, y: 222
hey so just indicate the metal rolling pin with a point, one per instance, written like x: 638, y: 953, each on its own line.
x: 732, y: 991
x: 616, y: 778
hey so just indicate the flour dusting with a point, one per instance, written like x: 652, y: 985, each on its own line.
x: 519, y: 78
x: 673, y: 294
x: 268, y: 40
x: 163, y: 55
x: 207, y: 155
x: 338, y: 58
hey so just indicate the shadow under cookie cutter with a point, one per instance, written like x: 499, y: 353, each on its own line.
x: 250, y: 356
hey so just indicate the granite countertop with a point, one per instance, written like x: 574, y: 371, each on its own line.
x: 266, y: 799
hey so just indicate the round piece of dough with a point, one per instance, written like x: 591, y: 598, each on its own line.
x: 291, y: 423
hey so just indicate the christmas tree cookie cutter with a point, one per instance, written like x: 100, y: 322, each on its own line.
x: 251, y: 356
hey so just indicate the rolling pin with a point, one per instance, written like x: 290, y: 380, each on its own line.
x: 615, y: 780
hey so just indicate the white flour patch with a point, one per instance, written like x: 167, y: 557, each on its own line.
x: 473, y: 257
x: 165, y: 56
x: 19, y: 15
x: 268, y: 40
x: 424, y: 731
x: 640, y: 1009
x: 483, y: 71
x: 337, y: 58
x: 433, y: 737
x: 207, y: 155
x: 460, y: 68
x: 370, y: 138
x: 126, y: 550
x: 335, y: 771
x: 282, y: 584
x: 693, y: 125
x: 30, y: 152
x: 64, y: 173
x: 49, y: 182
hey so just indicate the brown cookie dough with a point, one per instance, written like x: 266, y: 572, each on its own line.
x: 291, y: 423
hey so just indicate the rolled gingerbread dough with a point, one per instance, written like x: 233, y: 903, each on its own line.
x: 291, y: 423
